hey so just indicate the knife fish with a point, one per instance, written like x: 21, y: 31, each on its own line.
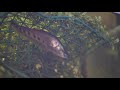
x: 44, y: 39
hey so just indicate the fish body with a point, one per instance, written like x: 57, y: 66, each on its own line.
x: 45, y: 40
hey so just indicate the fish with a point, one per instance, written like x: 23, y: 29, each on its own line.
x: 44, y: 39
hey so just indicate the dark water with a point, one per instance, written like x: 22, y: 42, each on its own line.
x: 102, y: 63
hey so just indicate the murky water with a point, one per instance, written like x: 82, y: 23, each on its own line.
x: 101, y: 63
x: 108, y: 18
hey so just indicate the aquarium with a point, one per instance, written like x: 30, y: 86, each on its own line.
x: 59, y: 45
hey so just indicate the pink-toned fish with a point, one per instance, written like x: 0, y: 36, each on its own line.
x: 44, y: 39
